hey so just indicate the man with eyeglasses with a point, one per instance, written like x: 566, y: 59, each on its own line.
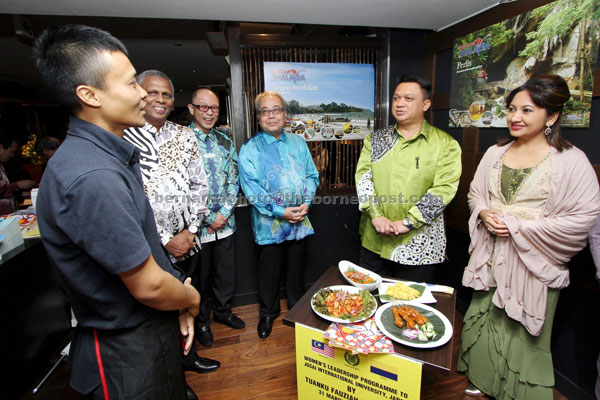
x: 174, y: 182
x: 217, y: 231
x: 279, y: 179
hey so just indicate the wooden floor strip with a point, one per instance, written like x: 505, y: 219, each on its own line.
x: 257, y: 369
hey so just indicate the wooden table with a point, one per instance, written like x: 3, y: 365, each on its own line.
x: 438, y: 358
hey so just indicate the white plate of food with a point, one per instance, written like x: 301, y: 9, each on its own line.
x: 358, y: 276
x: 435, y: 332
x: 405, y: 291
x: 343, y: 304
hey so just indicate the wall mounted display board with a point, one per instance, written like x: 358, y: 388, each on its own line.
x: 325, y: 101
x: 559, y: 38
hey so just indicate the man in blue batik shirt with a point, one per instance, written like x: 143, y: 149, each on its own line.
x: 217, y: 232
x: 279, y: 179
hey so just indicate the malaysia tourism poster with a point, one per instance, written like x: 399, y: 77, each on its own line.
x: 325, y: 101
x: 558, y: 38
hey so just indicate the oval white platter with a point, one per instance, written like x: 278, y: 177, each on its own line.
x: 384, y: 316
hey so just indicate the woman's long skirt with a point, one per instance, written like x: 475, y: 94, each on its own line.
x: 500, y: 357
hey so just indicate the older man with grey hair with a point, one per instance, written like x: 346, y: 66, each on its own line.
x: 279, y: 179
x: 174, y: 182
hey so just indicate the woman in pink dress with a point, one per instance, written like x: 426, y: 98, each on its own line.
x: 533, y: 201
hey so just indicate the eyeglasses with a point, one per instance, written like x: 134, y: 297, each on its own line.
x: 276, y: 111
x: 204, y: 107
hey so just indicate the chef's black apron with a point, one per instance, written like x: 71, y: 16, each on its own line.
x: 140, y: 363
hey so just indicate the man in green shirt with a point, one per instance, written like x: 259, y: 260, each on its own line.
x: 406, y: 175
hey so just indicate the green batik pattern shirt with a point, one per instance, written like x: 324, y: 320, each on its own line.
x: 413, y: 179
x: 221, y: 167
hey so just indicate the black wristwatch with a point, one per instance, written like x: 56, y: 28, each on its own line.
x: 406, y: 222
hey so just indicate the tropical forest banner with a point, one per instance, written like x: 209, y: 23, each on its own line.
x: 559, y: 38
x: 325, y: 101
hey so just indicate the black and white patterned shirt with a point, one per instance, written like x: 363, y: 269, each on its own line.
x: 174, y: 177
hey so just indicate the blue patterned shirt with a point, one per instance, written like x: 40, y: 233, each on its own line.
x: 221, y: 168
x: 275, y: 174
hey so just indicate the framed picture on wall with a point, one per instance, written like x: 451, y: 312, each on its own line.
x: 325, y: 101
x: 558, y: 38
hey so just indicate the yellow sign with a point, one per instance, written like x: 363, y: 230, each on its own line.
x: 326, y: 372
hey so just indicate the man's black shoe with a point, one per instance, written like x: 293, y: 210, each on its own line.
x: 204, y: 335
x: 231, y: 321
x: 189, y: 393
x: 201, y: 365
x: 264, y: 326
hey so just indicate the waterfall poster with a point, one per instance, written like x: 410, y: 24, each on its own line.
x: 325, y: 101
x: 558, y: 38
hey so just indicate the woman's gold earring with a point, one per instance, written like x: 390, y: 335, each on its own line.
x: 547, y: 131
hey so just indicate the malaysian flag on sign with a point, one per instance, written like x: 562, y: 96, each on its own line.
x: 322, y: 348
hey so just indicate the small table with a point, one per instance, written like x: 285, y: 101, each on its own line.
x: 436, y: 359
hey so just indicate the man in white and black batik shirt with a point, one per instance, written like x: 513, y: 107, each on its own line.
x: 172, y: 169
x: 174, y: 181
